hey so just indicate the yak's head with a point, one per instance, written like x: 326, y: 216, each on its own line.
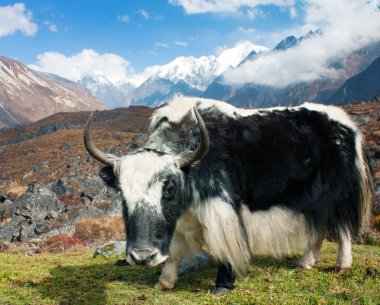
x: 153, y: 188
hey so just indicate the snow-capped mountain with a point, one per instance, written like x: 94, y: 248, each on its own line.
x: 190, y: 75
x: 113, y: 95
x: 26, y: 95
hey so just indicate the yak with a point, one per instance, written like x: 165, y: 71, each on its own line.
x: 240, y: 182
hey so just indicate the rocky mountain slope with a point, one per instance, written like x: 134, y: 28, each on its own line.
x: 45, y: 162
x: 27, y: 96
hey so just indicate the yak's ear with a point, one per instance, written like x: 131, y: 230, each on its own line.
x: 108, y: 176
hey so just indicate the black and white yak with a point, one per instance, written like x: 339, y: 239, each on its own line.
x: 238, y: 182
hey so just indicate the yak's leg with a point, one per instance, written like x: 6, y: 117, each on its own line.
x: 344, y: 258
x: 312, y: 251
x: 169, y: 274
x: 224, y: 279
x: 185, y: 244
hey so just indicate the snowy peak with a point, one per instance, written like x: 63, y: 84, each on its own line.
x: 197, y: 72
x: 200, y: 72
x: 232, y: 57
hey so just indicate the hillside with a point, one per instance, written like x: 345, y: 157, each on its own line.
x: 27, y: 96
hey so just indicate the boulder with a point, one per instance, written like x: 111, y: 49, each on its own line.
x: 7, y: 209
x: 37, y: 202
x: 62, y: 187
x: 111, y: 248
x: 11, y: 231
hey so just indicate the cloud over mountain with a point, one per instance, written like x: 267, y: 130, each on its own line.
x: 86, y: 63
x: 344, y: 27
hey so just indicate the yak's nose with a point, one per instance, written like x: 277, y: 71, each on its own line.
x: 142, y: 256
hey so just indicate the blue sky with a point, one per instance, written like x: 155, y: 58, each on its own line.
x: 143, y: 32
x: 125, y: 39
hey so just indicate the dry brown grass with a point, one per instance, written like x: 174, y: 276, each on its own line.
x: 16, y: 189
x: 100, y: 229
x: 102, y: 204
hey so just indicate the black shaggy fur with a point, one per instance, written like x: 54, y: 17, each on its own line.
x: 298, y: 159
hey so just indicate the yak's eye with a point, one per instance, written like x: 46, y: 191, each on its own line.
x: 168, y: 189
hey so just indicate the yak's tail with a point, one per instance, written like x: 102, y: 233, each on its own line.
x: 366, y: 185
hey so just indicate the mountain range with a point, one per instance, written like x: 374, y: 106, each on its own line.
x: 205, y: 77
x: 27, y: 95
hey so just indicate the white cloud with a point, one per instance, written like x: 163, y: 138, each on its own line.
x: 181, y: 43
x: 224, y: 6
x: 293, y: 12
x: 138, y: 78
x: 53, y: 28
x: 161, y: 45
x: 144, y: 13
x: 87, y: 62
x: 246, y: 30
x: 16, y: 18
x: 347, y: 25
x: 255, y: 12
x: 123, y: 18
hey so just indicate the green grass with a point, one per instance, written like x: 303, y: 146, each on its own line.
x: 71, y: 278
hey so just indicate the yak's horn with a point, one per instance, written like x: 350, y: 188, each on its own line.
x: 203, y: 148
x: 92, y: 150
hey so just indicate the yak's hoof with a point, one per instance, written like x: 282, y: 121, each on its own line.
x: 340, y: 270
x: 220, y: 290
x: 304, y: 267
x: 121, y: 262
x: 161, y: 287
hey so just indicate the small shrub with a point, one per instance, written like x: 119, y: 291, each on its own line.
x: 102, y: 204
x: 100, y: 229
x: 4, y: 246
x: 70, y: 200
x: 61, y: 242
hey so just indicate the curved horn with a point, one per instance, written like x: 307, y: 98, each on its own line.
x: 92, y: 150
x: 203, y: 148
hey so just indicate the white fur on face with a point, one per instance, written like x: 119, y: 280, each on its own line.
x: 135, y: 177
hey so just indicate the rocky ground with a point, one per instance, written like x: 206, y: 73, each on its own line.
x: 49, y: 184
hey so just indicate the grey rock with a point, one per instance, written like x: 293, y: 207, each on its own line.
x: 83, y: 212
x: 65, y: 146
x: 41, y: 166
x: 7, y: 209
x: 37, y: 202
x: 138, y: 138
x: 116, y: 206
x: 31, y: 151
x: 111, y: 248
x: 73, y: 160
x: 36, y: 243
x: 52, y: 215
x: 27, y: 230
x: 11, y: 230
x: 134, y: 145
x: 67, y: 229
x: 62, y: 187
x: 2, y: 197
